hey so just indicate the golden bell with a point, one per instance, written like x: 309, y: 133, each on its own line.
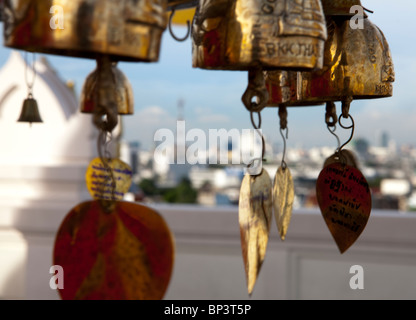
x: 30, y: 111
x: 357, y: 65
x: 245, y: 34
x: 126, y: 30
x: 121, y: 89
x: 340, y: 8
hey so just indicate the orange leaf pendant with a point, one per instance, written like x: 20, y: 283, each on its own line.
x: 124, y: 254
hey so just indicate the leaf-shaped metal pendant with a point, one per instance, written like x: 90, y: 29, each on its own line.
x: 345, y: 201
x: 283, y: 197
x: 125, y: 254
x: 255, y: 215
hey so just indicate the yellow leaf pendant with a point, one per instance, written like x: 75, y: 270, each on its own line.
x: 283, y: 198
x: 255, y: 215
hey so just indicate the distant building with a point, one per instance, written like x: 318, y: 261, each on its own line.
x: 134, y: 156
x: 385, y: 139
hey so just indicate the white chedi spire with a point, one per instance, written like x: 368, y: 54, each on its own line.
x: 65, y: 136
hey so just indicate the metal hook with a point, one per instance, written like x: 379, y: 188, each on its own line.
x: 282, y: 113
x: 171, y: 31
x: 250, y: 166
x: 284, y: 165
x: 263, y: 143
x: 332, y: 131
x: 257, y: 127
x: 352, y: 127
x: 103, y: 141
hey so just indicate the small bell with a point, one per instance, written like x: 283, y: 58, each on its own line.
x: 30, y: 111
x: 121, y: 88
x: 257, y: 35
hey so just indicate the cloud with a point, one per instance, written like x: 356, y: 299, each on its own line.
x: 213, y: 118
x: 145, y: 122
x: 153, y: 114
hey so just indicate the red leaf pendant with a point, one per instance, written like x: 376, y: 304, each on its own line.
x: 124, y: 254
x: 345, y: 201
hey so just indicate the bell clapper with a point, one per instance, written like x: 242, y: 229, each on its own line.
x: 106, y: 113
x: 256, y: 90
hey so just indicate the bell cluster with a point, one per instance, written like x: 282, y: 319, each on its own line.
x: 296, y: 52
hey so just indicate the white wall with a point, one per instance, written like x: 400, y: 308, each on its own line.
x: 208, y: 263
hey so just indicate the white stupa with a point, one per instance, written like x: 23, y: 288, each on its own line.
x: 64, y: 137
x: 42, y: 172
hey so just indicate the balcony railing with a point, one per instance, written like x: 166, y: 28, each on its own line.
x: 208, y: 263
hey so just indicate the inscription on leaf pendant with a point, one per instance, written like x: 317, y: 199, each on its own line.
x: 344, y: 198
x: 109, y: 182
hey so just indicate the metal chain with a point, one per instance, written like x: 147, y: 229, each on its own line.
x: 103, y: 141
x: 283, y: 126
x: 30, y: 84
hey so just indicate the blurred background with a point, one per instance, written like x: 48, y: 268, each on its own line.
x: 42, y: 172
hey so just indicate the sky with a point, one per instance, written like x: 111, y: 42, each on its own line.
x: 212, y: 99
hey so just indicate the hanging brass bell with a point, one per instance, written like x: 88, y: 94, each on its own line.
x: 127, y: 30
x: 30, y: 111
x: 244, y: 34
x: 357, y: 65
x: 121, y: 89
